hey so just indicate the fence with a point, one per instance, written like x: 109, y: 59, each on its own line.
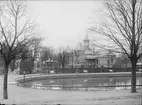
x: 80, y: 70
x: 84, y: 87
x: 1, y: 71
x: 91, y: 70
x: 78, y: 88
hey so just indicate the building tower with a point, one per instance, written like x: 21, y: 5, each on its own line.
x: 86, y: 42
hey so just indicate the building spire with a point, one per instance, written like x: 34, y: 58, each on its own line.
x: 86, y: 42
x: 86, y: 37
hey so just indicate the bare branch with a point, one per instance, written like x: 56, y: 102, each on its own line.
x: 3, y: 33
x: 126, y: 28
x: 15, y: 37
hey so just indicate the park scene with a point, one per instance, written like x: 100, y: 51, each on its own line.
x: 71, y: 52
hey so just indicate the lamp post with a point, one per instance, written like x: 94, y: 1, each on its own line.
x: 24, y: 77
x: 72, y: 57
x: 101, y: 68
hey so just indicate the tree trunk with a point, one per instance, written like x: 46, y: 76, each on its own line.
x: 5, y: 92
x: 133, y: 79
x: 63, y: 65
x: 12, y: 65
x: 33, y: 64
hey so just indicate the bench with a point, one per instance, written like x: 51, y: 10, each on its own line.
x: 85, y: 71
x: 110, y: 70
x: 140, y: 70
x: 52, y: 72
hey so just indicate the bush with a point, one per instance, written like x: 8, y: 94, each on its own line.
x: 27, y: 66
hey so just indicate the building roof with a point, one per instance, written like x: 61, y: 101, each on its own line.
x: 89, y: 52
x: 79, y: 46
x: 68, y: 49
x: 86, y: 38
x: 90, y: 57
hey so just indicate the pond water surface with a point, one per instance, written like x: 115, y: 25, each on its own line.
x: 84, y: 84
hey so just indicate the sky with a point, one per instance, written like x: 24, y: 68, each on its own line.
x: 63, y: 23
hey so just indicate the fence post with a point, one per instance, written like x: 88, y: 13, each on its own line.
x: 24, y: 77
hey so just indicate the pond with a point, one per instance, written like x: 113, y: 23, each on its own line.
x: 112, y: 83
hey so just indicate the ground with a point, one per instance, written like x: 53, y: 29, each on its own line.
x: 20, y: 95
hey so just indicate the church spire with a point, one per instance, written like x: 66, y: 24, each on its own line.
x: 86, y: 42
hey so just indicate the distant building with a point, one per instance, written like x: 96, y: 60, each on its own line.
x: 122, y: 61
x: 86, y: 56
x: 107, y: 60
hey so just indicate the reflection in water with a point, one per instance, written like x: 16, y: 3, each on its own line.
x: 84, y: 83
x: 85, y: 80
x: 110, y: 79
x: 37, y: 83
x: 51, y: 81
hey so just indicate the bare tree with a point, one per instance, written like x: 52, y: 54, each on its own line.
x: 62, y: 58
x: 15, y: 32
x: 35, y: 48
x: 124, y: 28
x: 122, y: 61
x: 48, y: 54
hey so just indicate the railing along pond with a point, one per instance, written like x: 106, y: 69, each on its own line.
x: 21, y: 81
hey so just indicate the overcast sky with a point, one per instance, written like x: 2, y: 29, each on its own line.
x: 65, y: 23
